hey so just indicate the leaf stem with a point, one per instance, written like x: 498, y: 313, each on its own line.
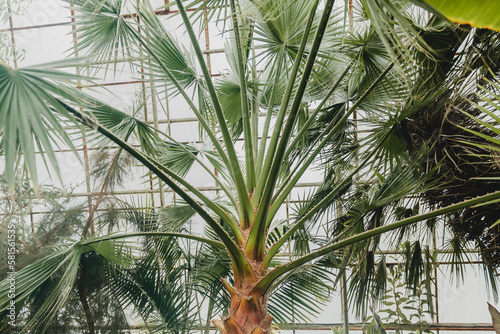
x: 294, y: 177
x: 240, y: 263
x: 266, y: 282
x: 247, y: 132
x: 262, y: 181
x: 246, y: 209
x: 256, y: 241
x: 210, y: 242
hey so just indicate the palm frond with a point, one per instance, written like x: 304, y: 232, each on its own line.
x: 103, y: 31
x: 167, y: 51
x: 301, y: 295
x: 27, y: 111
x: 154, y: 287
x: 175, y: 217
x: 34, y: 275
x: 279, y: 28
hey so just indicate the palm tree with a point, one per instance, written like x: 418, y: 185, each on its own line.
x: 464, y: 61
x: 290, y: 61
x: 103, y: 282
x: 463, y: 171
x: 64, y: 219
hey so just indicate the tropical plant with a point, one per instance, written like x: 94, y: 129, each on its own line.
x: 7, y: 52
x: 482, y: 15
x: 463, y: 170
x: 432, y: 117
x: 400, y: 308
x: 93, y: 285
x: 38, y: 243
x: 293, y: 61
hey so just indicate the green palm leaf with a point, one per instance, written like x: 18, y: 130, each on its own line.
x: 66, y: 261
x: 482, y: 14
x: 154, y: 287
x: 103, y: 32
x: 28, y: 101
x: 167, y: 51
x: 279, y: 27
x: 35, y: 274
x: 301, y: 295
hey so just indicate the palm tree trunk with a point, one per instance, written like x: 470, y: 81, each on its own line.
x: 83, y: 299
x: 247, y: 313
x: 248, y: 310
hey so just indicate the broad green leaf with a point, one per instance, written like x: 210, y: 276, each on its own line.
x: 280, y: 25
x: 482, y: 14
x: 177, y: 157
x: 228, y: 90
x: 175, y: 217
x: 306, y: 291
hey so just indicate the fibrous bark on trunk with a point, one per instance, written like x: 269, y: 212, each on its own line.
x: 247, y: 313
